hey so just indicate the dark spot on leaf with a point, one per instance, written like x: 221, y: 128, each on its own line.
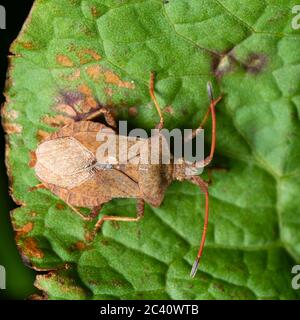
x: 133, y: 112
x: 71, y: 98
x: 184, y: 112
x: 169, y: 109
x: 80, y: 245
x: 105, y: 242
x: 37, y: 187
x: 255, y: 63
x: 218, y: 287
x: 60, y: 206
x: 222, y: 64
x: 89, y: 236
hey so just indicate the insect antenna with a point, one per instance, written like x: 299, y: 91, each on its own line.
x: 202, y: 185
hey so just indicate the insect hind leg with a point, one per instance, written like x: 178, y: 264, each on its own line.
x: 140, y: 207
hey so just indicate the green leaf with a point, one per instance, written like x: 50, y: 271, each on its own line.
x: 105, y: 49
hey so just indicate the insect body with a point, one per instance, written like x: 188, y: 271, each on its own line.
x: 67, y: 165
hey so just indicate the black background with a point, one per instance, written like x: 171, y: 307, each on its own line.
x: 19, y: 278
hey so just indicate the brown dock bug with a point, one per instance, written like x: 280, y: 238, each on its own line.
x: 67, y: 165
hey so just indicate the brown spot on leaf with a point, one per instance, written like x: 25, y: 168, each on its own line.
x: 89, y: 236
x: 80, y: 245
x: 255, y: 63
x: 20, y: 232
x: 169, y: 109
x: 88, y: 55
x: 27, y: 45
x: 12, y: 128
x: 95, y: 13
x: 218, y: 287
x: 32, y: 159
x: 60, y: 206
x: 31, y: 248
x: 112, y: 78
x: 41, y: 135
x: 94, y: 72
x: 37, y: 187
x: 57, y: 121
x: 83, y: 88
x: 89, y: 103
x: 64, y: 61
x: 133, y: 112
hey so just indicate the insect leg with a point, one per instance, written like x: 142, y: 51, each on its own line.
x: 140, y: 207
x: 160, y: 125
x: 109, y: 118
x: 203, y: 186
x: 82, y: 216
x: 95, y: 212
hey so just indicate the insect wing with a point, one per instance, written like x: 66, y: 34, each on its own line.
x: 64, y: 162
